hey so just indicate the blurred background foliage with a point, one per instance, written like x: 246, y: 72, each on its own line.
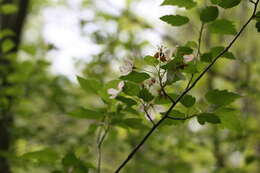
x: 39, y: 134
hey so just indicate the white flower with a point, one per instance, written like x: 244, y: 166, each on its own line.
x: 168, y: 54
x: 152, y: 111
x: 188, y: 58
x: 127, y: 67
x: 115, y: 92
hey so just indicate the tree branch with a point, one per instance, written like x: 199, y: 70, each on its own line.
x: 133, y: 152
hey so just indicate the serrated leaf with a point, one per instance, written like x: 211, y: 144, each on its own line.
x: 188, y: 100
x: 89, y: 85
x: 222, y: 26
x: 81, y: 112
x: 131, y: 88
x: 221, y: 97
x: 175, y: 20
x: 145, y: 95
x: 228, y: 3
x: 180, y: 3
x: 135, y: 76
x: 208, y: 117
x: 209, y: 14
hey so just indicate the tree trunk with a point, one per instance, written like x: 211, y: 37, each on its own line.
x: 13, y: 22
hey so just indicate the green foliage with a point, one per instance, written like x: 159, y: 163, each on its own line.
x: 71, y: 163
x: 89, y: 85
x: 8, y: 8
x: 221, y: 97
x: 222, y: 26
x: 188, y: 100
x: 175, y: 20
x: 228, y: 3
x: 45, y: 156
x: 135, y: 76
x: 180, y: 3
x: 229, y: 119
x: 86, y: 114
x: 7, y: 45
x: 209, y: 14
x: 145, y: 95
x: 208, y: 118
x: 131, y: 88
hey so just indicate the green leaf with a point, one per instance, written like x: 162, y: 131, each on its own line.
x: 221, y: 97
x: 42, y: 156
x: 126, y: 100
x: 7, y: 45
x: 257, y: 16
x: 175, y: 114
x: 150, y: 60
x: 229, y: 3
x: 134, y: 123
x: 180, y: 3
x: 81, y: 112
x: 6, y: 32
x: 217, y: 50
x: 206, y: 57
x: 135, y: 76
x: 188, y: 100
x: 165, y: 99
x: 222, y: 26
x: 8, y: 9
x: 229, y: 119
x: 183, y: 50
x: 89, y: 85
x: 215, y: 1
x: 175, y: 20
x: 71, y: 162
x: 257, y: 25
x: 208, y: 117
x: 209, y: 14
x: 174, y: 76
x: 145, y: 95
x: 190, y: 68
x: 131, y: 88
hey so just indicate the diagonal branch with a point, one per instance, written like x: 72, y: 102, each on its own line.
x: 134, y: 151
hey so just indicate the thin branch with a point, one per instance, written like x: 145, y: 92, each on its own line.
x: 148, y: 115
x: 133, y: 152
x: 100, y: 148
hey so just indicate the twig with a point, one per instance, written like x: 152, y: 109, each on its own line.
x: 148, y: 115
x: 133, y: 152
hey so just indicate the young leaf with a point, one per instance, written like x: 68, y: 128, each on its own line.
x: 229, y: 3
x: 209, y: 14
x: 221, y: 97
x: 222, y: 26
x: 188, y: 100
x: 89, y: 85
x: 135, y: 76
x: 145, y: 95
x: 81, y: 112
x: 175, y: 20
x: 208, y: 117
x: 150, y: 60
x: 180, y: 3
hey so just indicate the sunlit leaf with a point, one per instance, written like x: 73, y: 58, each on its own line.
x: 135, y: 76
x: 229, y: 119
x: 222, y: 26
x: 221, y: 97
x: 8, y: 8
x: 42, y: 156
x: 7, y: 45
x: 175, y: 20
x: 180, y: 3
x: 89, y: 85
